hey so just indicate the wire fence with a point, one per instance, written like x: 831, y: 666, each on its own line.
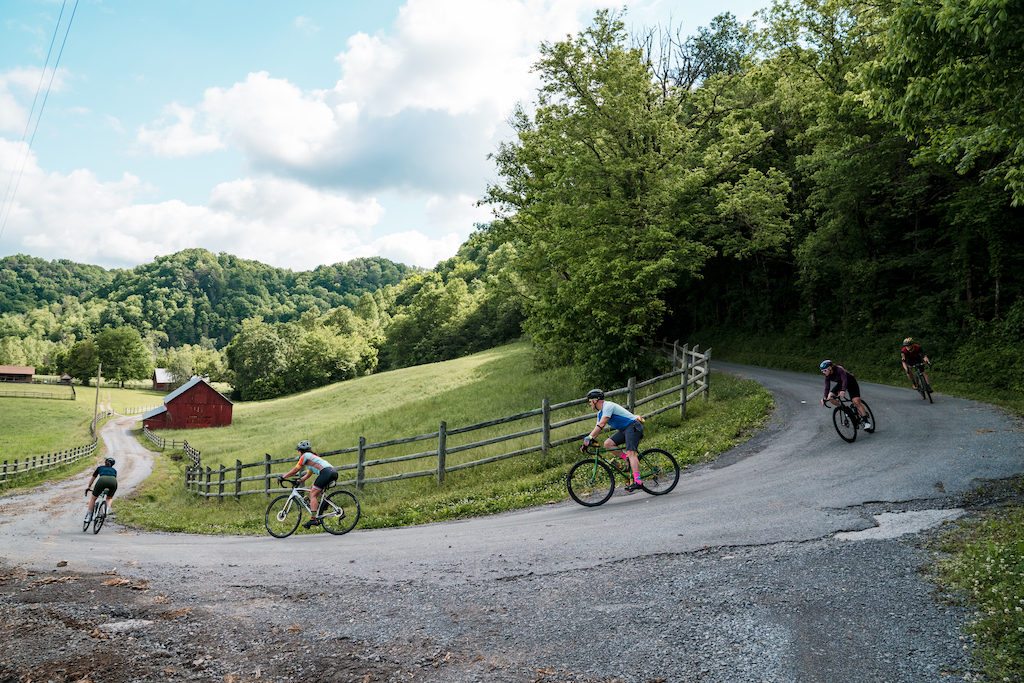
x: 689, y: 379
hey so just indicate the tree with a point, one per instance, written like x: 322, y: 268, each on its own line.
x: 950, y: 75
x: 123, y: 354
x: 82, y: 361
x: 602, y: 190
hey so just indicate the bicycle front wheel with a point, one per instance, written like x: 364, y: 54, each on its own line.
x: 99, y: 516
x: 928, y: 389
x: 590, y: 482
x: 870, y: 417
x: 283, y: 516
x: 922, y: 387
x: 659, y: 471
x: 845, y: 424
x: 340, y: 512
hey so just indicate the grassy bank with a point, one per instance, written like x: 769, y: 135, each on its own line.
x: 981, y: 561
x: 413, y: 400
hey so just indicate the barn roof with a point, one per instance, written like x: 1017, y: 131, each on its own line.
x: 162, y: 376
x: 186, y: 386
x: 17, y: 370
x: 154, y: 412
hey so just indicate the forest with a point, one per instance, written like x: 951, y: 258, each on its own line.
x: 832, y: 170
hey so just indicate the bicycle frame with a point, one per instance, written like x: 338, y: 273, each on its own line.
x: 619, y: 465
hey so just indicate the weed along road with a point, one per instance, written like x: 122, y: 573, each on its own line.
x: 794, y: 557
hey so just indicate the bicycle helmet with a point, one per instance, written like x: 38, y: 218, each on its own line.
x: 304, y: 446
x: 109, y: 462
x: 825, y: 364
x: 595, y: 395
x: 908, y: 340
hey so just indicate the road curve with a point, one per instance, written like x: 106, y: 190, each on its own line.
x: 795, y: 481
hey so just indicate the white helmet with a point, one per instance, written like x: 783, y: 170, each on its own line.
x: 304, y: 446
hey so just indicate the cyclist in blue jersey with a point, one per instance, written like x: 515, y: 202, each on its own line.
x: 313, y: 464
x: 630, y: 430
x: 846, y: 383
x: 104, y: 477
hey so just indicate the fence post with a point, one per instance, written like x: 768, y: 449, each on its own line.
x: 238, y: 480
x: 675, y: 354
x: 707, y: 375
x: 206, y: 486
x: 686, y: 380
x: 545, y: 438
x: 266, y: 479
x: 220, y: 488
x: 631, y: 398
x: 442, y: 444
x: 361, y: 463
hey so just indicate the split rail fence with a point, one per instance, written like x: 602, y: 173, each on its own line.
x: 689, y: 379
x: 45, y: 462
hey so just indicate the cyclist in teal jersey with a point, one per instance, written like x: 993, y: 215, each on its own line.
x: 630, y: 430
x: 313, y: 464
x: 104, y: 477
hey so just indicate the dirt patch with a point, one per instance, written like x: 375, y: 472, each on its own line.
x: 103, y: 628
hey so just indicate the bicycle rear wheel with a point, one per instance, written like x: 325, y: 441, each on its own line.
x: 283, y: 516
x: 590, y: 482
x: 99, y: 516
x: 340, y: 512
x: 869, y: 418
x: 659, y: 471
x: 845, y: 424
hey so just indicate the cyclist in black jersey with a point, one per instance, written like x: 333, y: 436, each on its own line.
x: 846, y: 383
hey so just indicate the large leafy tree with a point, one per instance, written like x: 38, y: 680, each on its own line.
x: 604, y: 190
x: 950, y: 75
x: 123, y: 354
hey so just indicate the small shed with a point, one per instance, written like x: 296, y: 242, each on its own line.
x: 65, y: 378
x: 194, y: 405
x: 16, y: 373
x: 162, y: 379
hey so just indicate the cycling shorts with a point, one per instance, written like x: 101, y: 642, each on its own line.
x: 630, y: 436
x: 105, y: 482
x: 852, y: 389
x: 324, y: 479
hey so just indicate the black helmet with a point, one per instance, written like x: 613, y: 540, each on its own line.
x: 304, y: 446
x: 595, y: 394
x: 109, y: 462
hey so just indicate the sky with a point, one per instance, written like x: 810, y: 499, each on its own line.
x: 293, y: 133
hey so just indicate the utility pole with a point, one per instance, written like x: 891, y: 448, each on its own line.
x: 96, y: 407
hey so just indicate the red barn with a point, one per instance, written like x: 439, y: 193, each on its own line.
x: 196, y: 404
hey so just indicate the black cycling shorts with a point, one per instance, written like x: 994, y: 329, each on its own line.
x: 324, y: 479
x: 107, y: 482
x: 630, y: 435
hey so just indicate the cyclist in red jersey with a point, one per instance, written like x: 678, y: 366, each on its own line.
x: 910, y: 355
x: 313, y: 464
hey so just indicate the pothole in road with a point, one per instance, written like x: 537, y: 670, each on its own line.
x: 896, y: 524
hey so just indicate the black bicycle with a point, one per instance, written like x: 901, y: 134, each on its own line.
x: 591, y: 481
x: 921, y: 382
x: 847, y: 419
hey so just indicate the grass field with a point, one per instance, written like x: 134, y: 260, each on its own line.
x: 413, y: 401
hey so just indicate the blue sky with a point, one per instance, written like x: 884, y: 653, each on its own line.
x: 296, y: 134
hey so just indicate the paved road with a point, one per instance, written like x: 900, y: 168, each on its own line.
x: 794, y: 483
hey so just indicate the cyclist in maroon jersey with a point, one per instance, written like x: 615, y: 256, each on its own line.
x: 846, y: 383
x: 912, y: 354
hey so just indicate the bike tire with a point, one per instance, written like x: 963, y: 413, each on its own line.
x: 870, y: 417
x: 590, y: 482
x: 283, y: 517
x: 659, y: 471
x: 928, y: 389
x: 99, y: 516
x: 340, y: 512
x: 88, y: 522
x: 845, y: 424
x: 921, y: 389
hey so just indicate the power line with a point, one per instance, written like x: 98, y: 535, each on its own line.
x: 15, y: 171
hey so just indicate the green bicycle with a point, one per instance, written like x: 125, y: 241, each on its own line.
x: 591, y: 481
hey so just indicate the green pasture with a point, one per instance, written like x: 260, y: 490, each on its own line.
x: 413, y: 401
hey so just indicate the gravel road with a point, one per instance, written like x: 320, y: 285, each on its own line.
x: 794, y: 557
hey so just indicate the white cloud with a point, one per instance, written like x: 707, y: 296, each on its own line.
x: 177, y: 139
x: 13, y: 115
x: 280, y: 222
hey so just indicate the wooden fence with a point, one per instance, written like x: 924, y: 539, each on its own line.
x: 689, y: 379
x: 61, y: 392
x: 45, y: 462
x: 139, y: 411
